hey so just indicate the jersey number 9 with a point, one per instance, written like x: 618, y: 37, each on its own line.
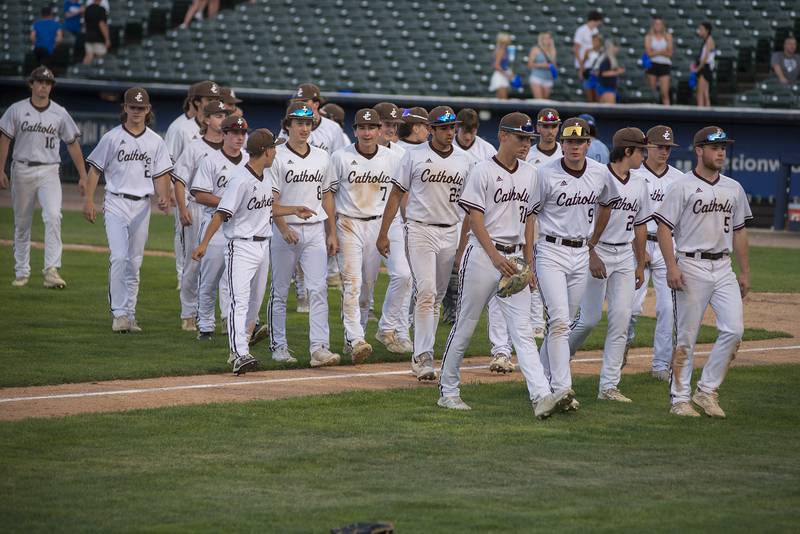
x: 591, y: 215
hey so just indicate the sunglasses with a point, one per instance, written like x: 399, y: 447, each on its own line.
x: 303, y: 112
x: 407, y: 113
x: 570, y: 131
x: 550, y: 117
x: 526, y: 128
x: 447, y: 117
x: 719, y: 135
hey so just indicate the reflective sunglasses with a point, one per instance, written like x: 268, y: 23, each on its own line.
x: 447, y: 117
x: 570, y: 131
x: 303, y: 112
x: 719, y: 135
x: 526, y: 128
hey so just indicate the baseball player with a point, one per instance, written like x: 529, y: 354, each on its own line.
x: 245, y: 212
x: 335, y: 113
x: 191, y: 212
x: 467, y: 138
x: 414, y: 130
x: 231, y: 101
x: 135, y: 162
x: 574, y: 193
x: 433, y: 175
x: 707, y: 212
x: 616, y: 273
x: 361, y: 176
x: 497, y: 199
x: 37, y: 125
x: 394, y: 324
x: 213, y: 175
x: 301, y: 176
x: 658, y: 175
x: 547, y: 149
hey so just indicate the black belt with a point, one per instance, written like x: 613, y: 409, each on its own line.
x: 651, y: 237
x: 614, y: 244
x: 433, y: 224
x: 706, y: 255
x: 574, y: 243
x: 508, y: 249
x: 36, y: 163
x: 364, y: 218
x: 254, y: 238
x: 128, y: 197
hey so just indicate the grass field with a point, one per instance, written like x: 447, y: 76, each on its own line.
x: 309, y: 464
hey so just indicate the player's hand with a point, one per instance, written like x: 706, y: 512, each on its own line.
x: 185, y: 217
x: 199, y: 252
x: 504, y: 265
x: 647, y: 259
x: 163, y: 204
x: 304, y: 212
x: 639, y: 275
x: 744, y: 283
x: 89, y: 212
x: 383, y: 245
x: 675, y: 278
x: 596, y: 265
x: 534, y: 282
x: 81, y: 186
x: 333, y: 245
x: 291, y: 237
x: 3, y: 180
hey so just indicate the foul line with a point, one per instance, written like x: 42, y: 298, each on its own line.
x: 307, y: 379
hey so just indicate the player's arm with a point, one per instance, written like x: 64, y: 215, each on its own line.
x: 742, y: 258
x: 596, y: 265
x: 389, y: 212
x: 216, y: 221
x: 74, y: 149
x: 462, y: 242
x: 527, y: 249
x: 205, y: 198
x: 162, y: 187
x: 674, y: 276
x: 329, y: 205
x: 179, y: 189
x: 640, y: 251
x: 289, y: 235
x: 91, y: 184
x: 298, y: 211
x: 5, y: 142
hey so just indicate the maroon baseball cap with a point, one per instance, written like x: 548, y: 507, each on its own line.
x: 367, y: 116
x: 661, y: 136
x: 260, y: 140
x: 711, y: 135
x: 630, y: 138
x: 137, y: 96
x: 389, y: 112
x: 307, y: 91
x: 215, y: 106
x: 233, y: 122
x: 518, y: 123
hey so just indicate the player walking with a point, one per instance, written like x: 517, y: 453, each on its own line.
x: 658, y: 175
x: 467, y: 138
x: 433, y: 176
x: 36, y: 125
x: 135, y: 163
x: 497, y: 199
x: 707, y: 212
x: 616, y: 273
x: 245, y: 211
x: 301, y: 176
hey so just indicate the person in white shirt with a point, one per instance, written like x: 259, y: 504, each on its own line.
x: 582, y: 43
x: 467, y: 138
x: 136, y: 164
x: 414, y: 130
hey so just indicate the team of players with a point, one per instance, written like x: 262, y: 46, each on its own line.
x: 438, y: 200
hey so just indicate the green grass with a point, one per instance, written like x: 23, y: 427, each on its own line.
x: 310, y: 464
x: 774, y: 270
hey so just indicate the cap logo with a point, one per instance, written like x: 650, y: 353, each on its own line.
x: 367, y: 116
x: 138, y: 97
x: 393, y: 113
x: 220, y: 105
x: 239, y: 121
x: 233, y: 94
x: 299, y: 91
x: 214, y: 89
x: 45, y: 72
x: 550, y: 115
x: 666, y: 135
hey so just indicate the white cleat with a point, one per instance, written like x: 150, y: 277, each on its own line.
x: 453, y: 402
x: 683, y: 409
x: 550, y: 404
x: 613, y: 394
x: 406, y: 344
x: 324, y: 358
x: 422, y: 367
x: 708, y: 403
x: 189, y: 324
x: 134, y: 326
x: 121, y: 325
x: 661, y: 376
x: 52, y: 279
x: 20, y: 281
x: 389, y: 340
x: 361, y: 350
x: 501, y: 364
x: 302, y: 304
x: 282, y: 355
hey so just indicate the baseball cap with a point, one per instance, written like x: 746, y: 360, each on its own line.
x: 548, y: 115
x: 576, y: 128
x: 468, y: 118
x: 332, y: 111
x: 388, y: 112
x: 260, y: 140
x: 299, y: 110
x: 630, y: 138
x: 137, y: 96
x: 215, y: 106
x: 207, y: 89
x: 711, y: 135
x: 367, y: 116
x: 228, y: 96
x: 307, y: 91
x: 588, y: 118
x: 661, y: 136
x: 233, y: 122
x: 442, y: 115
x: 518, y: 123
x: 415, y: 115
x: 42, y: 73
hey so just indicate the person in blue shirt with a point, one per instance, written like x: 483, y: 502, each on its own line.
x: 73, y: 10
x: 598, y: 151
x: 45, y: 35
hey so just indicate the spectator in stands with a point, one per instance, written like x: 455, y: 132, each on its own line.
x: 591, y: 61
x: 785, y: 64
x: 608, y: 71
x: 582, y: 41
x: 598, y: 150
x: 98, y: 40
x: 195, y: 11
x: 542, y: 62
x: 502, y: 76
x: 658, y: 46
x: 704, y: 66
x: 46, y: 34
x: 73, y: 9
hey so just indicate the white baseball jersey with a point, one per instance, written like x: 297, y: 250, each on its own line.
x: 632, y: 208
x: 480, y: 150
x: 565, y: 200
x: 214, y: 174
x: 180, y: 133
x: 301, y: 180
x: 657, y: 187
x: 702, y: 215
x: 247, y: 204
x: 36, y: 131
x: 189, y: 161
x: 362, y: 183
x: 327, y: 135
x: 538, y: 158
x: 503, y: 196
x: 410, y: 146
x: 434, y: 182
x: 130, y: 162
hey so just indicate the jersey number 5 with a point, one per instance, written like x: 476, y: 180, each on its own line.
x: 50, y: 142
x: 727, y: 224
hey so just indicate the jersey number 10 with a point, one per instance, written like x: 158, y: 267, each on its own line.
x: 50, y: 142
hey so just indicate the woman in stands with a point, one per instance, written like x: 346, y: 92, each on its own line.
x: 608, y: 71
x: 502, y: 76
x: 542, y: 62
x: 590, y: 62
x: 658, y: 46
x: 704, y: 68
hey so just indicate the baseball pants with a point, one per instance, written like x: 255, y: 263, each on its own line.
x: 27, y: 185
x: 478, y: 280
x: 312, y: 254
x: 498, y: 329
x: 431, y: 251
x: 191, y: 237
x: 562, y: 274
x: 211, y: 280
x: 178, y: 245
x: 359, y: 261
x: 662, y: 340
x: 127, y: 222
x: 394, y: 315
x: 618, y: 288
x: 247, y: 270
x: 705, y: 282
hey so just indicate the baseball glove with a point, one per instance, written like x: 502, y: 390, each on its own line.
x: 510, y: 285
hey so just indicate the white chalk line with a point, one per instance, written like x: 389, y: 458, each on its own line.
x: 240, y: 383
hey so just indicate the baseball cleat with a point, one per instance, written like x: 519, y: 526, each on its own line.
x: 406, y: 344
x: 550, y: 404
x: 189, y: 324
x: 453, y: 402
x: 224, y: 327
x: 389, y: 340
x: 205, y: 336
x: 570, y: 405
x: 422, y: 367
x: 613, y: 394
x: 360, y: 352
x: 538, y: 333
x: 134, y: 326
x: 501, y: 363
x: 335, y: 281
x: 302, y: 304
x: 708, y: 403
x: 245, y: 363
x: 231, y: 358
x: 684, y: 409
x: 282, y: 355
x: 324, y: 358
x: 121, y: 325
x: 259, y: 334
x: 661, y: 376
x: 20, y: 281
x: 53, y: 280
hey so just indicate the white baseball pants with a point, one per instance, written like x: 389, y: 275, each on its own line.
x: 212, y: 280
x: 359, y: 261
x: 178, y: 245
x: 662, y: 340
x: 562, y: 273
x: 478, y: 280
x: 705, y: 282
x: 498, y: 330
x: 431, y: 251
x: 394, y: 315
x: 127, y: 222
x: 618, y: 288
x: 27, y: 185
x: 247, y: 270
x: 190, y: 238
x: 312, y: 254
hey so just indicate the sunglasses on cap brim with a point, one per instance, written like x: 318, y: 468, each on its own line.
x: 301, y: 114
x: 526, y: 130
x: 717, y: 137
x: 574, y: 131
